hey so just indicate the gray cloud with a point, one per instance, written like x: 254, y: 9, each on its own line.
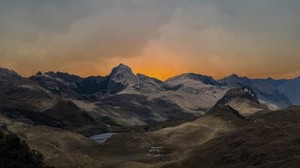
x: 53, y: 34
x: 33, y: 31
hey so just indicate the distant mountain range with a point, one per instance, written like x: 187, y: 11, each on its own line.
x: 123, y: 98
x: 185, y: 121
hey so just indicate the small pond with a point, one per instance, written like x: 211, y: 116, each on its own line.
x: 101, y: 138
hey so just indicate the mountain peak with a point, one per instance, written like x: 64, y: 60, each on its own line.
x: 122, y: 73
x: 243, y: 100
x: 121, y: 69
x: 233, y: 76
x: 240, y: 93
x: 196, y: 77
x: 39, y: 73
x: 121, y: 65
x: 6, y: 73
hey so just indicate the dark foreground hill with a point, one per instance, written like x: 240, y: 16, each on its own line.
x: 272, y: 141
x: 15, y: 153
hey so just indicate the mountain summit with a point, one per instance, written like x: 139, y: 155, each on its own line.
x: 121, y: 71
x: 119, y: 78
x: 196, y: 77
x: 8, y: 74
x: 241, y: 93
x: 241, y: 99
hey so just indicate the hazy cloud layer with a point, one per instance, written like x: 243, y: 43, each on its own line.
x: 158, y: 37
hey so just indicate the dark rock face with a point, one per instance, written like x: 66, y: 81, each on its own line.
x: 90, y: 85
x: 121, y: 72
x: 240, y: 93
x: 9, y: 74
x: 243, y: 102
x: 66, y: 84
x: 119, y: 78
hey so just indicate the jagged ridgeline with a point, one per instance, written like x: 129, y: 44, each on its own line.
x: 125, y: 99
x: 152, y: 123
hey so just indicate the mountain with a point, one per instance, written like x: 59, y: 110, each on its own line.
x: 266, y: 92
x: 120, y: 78
x: 8, y: 74
x: 291, y: 89
x: 273, y: 82
x: 122, y: 98
x: 56, y: 83
x: 146, y: 84
x: 194, y: 93
x: 71, y: 86
x: 123, y: 81
x: 196, y: 77
x: 267, y: 143
x: 86, y: 105
x: 189, y: 120
x: 241, y: 99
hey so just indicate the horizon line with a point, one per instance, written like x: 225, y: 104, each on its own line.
x: 254, y: 78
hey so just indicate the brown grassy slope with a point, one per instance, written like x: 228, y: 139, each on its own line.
x: 60, y: 148
x: 275, y: 142
x: 176, y: 142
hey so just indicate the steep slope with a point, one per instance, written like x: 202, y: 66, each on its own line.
x: 219, y: 121
x: 120, y: 78
x: 265, y: 91
x: 243, y: 100
x: 55, y: 83
x: 25, y: 99
x: 9, y: 74
x: 291, y: 89
x: 83, y: 86
x: 16, y: 91
x: 123, y: 81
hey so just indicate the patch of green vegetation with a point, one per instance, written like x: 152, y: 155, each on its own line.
x: 114, y: 122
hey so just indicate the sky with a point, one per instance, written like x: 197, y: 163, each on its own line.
x: 159, y: 38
